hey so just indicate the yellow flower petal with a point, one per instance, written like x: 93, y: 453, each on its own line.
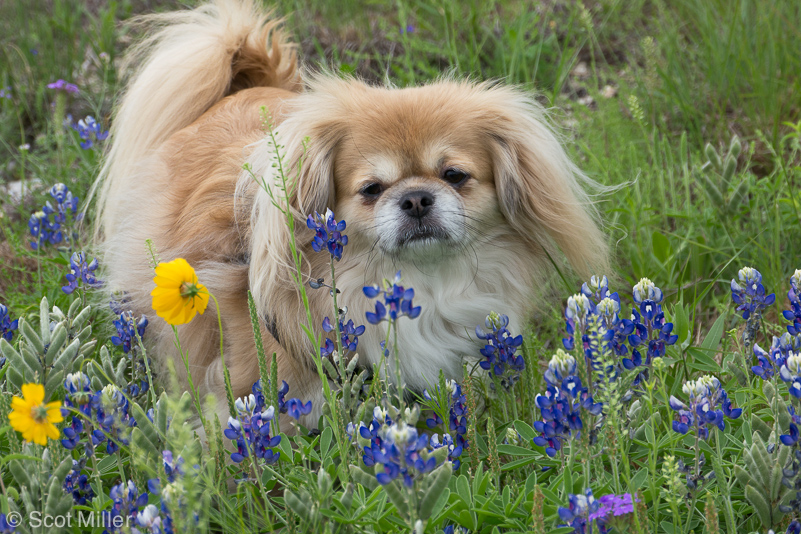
x: 33, y: 393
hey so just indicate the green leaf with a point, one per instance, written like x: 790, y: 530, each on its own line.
x: 439, y: 483
x: 760, y: 505
x: 363, y: 478
x: 525, y: 430
x: 661, y: 246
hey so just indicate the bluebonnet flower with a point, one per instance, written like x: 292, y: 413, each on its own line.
x: 81, y: 271
x: 5, y: 526
x: 561, y: 405
x: 90, y: 131
x: 408, y: 29
x: 397, y: 301
x: 579, y: 511
x: 114, y: 423
x: 646, y: 290
x: 250, y: 431
x: 500, y: 347
x: 79, y: 394
x: 7, y: 326
x: 148, y: 521
x: 295, y: 408
x: 77, y: 484
x: 455, y: 529
x: 769, y: 363
x: 127, y: 327
x: 708, y: 403
x: 261, y: 402
x: 579, y: 307
x: 349, y: 336
x: 649, y: 324
x: 795, y: 420
x: 794, y: 296
x: 457, y: 421
x: 61, y: 85
x: 402, y: 453
x: 5, y: 93
x: 127, y: 504
x: 328, y: 233
x: 749, y: 293
x: 46, y: 225
x: 597, y: 289
x: 790, y: 372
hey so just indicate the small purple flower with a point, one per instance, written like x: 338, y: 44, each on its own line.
x: 613, y: 506
x: 5, y: 93
x: 580, y: 513
x: 77, y: 484
x: 81, y: 271
x: 328, y: 233
x: 410, y: 28
x: 61, y: 85
x: 7, y: 326
x: 46, y: 225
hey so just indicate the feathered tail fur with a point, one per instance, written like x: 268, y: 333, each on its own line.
x: 189, y: 61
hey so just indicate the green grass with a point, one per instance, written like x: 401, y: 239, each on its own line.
x: 684, y: 74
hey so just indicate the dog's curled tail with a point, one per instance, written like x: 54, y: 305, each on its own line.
x: 189, y: 60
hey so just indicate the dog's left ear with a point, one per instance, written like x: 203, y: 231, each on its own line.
x: 539, y: 189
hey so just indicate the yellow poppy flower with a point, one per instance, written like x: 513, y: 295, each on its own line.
x: 178, y: 295
x: 32, y: 417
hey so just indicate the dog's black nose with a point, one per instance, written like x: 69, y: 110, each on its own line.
x: 417, y: 203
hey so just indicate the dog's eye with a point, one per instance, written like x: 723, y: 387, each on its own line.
x: 372, y: 190
x: 455, y: 176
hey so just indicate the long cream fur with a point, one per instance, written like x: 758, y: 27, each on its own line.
x: 188, y: 121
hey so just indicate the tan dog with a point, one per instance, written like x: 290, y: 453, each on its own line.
x: 461, y: 186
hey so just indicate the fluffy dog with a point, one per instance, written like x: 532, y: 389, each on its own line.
x: 460, y: 185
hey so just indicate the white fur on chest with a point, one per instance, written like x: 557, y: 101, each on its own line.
x: 455, y: 297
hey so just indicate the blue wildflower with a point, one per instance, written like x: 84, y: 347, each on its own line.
x: 90, y: 131
x: 790, y: 372
x: 457, y: 421
x: 794, y: 313
x: 578, y: 309
x: 349, y: 336
x: 7, y: 527
x: 295, y: 408
x: 77, y: 484
x: 127, y: 328
x: 397, y: 301
x: 126, y: 506
x: 7, y: 326
x: 650, y: 327
x: 46, y: 225
x: 597, y: 289
x: 250, y: 431
x: 708, y: 404
x: 5, y: 92
x: 561, y: 404
x: 749, y: 293
x: 148, y: 521
x: 577, y: 514
x: 81, y: 271
x: 500, y: 349
x: 402, y: 453
x: 328, y: 233
x: 258, y: 394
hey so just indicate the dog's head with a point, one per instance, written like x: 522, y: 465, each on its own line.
x: 421, y: 173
